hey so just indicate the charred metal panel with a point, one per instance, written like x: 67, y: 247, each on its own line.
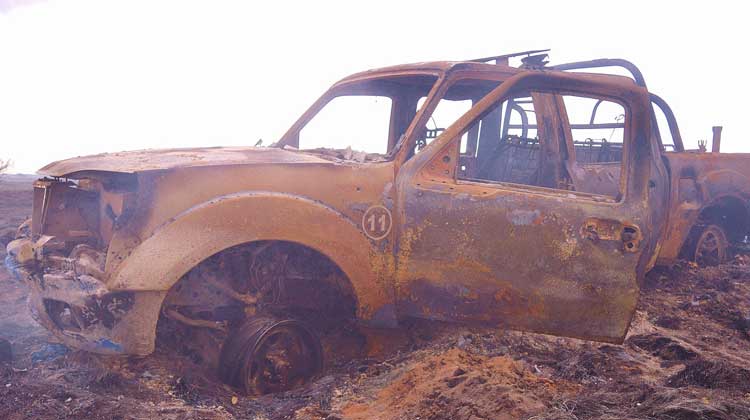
x: 80, y: 310
x: 66, y: 212
x: 152, y: 160
x: 527, y: 257
x: 700, y: 180
x: 516, y: 259
x: 156, y: 263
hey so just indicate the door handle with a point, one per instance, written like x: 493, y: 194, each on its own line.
x: 628, y: 234
x: 631, y: 237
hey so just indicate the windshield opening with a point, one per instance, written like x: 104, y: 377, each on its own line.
x: 362, y: 120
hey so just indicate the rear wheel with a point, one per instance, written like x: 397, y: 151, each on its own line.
x: 711, y: 246
x: 267, y: 355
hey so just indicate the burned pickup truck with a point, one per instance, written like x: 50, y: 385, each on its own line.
x: 533, y: 197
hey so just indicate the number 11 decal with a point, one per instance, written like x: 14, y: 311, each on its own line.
x: 376, y: 222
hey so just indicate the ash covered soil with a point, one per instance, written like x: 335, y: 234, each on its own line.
x: 687, y: 356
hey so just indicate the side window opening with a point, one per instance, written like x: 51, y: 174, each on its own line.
x: 503, y: 146
x: 597, y: 127
x: 519, y: 146
x: 457, y: 100
x: 446, y: 112
x: 597, y: 132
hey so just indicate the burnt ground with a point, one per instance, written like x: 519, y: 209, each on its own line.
x: 687, y: 356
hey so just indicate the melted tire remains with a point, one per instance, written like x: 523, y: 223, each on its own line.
x: 711, y: 247
x: 268, y: 355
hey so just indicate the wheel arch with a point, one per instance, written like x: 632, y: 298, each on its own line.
x: 729, y: 210
x: 196, y: 234
x: 725, y: 193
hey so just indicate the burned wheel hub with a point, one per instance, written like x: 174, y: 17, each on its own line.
x: 711, y: 247
x: 267, y: 355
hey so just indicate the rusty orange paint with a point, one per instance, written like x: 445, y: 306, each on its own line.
x: 564, y: 255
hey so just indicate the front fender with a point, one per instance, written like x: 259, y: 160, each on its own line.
x: 205, y: 229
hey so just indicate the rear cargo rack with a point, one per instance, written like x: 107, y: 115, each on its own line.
x: 503, y: 59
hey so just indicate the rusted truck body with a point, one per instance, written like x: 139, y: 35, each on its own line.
x: 515, y: 213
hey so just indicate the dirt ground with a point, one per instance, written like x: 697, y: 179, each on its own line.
x: 687, y: 356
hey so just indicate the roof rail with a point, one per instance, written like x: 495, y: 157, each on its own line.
x: 605, y: 62
x: 503, y: 59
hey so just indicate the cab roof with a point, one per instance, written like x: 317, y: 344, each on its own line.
x: 433, y: 67
x: 438, y: 68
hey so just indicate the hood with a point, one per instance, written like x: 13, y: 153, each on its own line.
x: 163, y: 159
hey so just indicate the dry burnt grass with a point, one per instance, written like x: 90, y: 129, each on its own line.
x: 686, y: 357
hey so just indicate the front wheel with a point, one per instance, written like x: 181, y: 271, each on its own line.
x: 711, y: 246
x: 267, y: 355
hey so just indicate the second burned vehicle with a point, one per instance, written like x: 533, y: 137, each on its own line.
x: 530, y: 197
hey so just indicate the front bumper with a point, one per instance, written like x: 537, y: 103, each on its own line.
x: 78, y: 308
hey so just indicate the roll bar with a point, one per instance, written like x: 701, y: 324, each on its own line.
x: 605, y: 62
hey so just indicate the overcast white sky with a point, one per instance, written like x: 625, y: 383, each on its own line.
x: 80, y: 77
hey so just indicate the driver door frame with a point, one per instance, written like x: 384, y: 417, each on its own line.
x: 601, y: 250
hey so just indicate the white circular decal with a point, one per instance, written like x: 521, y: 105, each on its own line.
x: 376, y: 222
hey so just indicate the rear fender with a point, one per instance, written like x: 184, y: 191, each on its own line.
x: 708, y: 189
x: 721, y: 183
